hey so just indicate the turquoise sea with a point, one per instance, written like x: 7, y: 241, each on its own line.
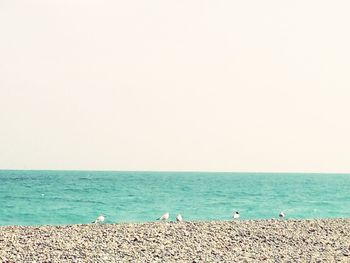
x: 74, y: 197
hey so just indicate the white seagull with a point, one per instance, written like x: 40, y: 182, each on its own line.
x: 179, y: 218
x: 99, y: 219
x: 281, y: 215
x: 164, y: 217
x: 236, y: 215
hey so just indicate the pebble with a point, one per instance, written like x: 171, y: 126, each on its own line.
x: 323, y: 240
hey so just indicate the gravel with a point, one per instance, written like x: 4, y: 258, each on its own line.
x: 326, y: 240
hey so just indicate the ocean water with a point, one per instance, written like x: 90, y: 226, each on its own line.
x: 75, y: 197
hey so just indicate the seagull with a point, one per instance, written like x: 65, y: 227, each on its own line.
x: 236, y: 215
x: 99, y: 219
x: 281, y: 215
x: 164, y: 217
x: 179, y: 218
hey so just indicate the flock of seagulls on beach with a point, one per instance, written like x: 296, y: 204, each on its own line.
x: 166, y: 217
x: 100, y: 219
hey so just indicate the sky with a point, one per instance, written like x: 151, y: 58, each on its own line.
x: 255, y: 86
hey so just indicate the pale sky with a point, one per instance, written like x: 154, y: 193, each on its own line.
x: 257, y: 86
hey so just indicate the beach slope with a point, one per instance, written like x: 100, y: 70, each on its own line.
x: 225, y: 241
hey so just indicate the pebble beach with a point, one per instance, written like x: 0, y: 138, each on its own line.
x: 325, y: 240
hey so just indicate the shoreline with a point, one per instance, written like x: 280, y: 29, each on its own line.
x: 170, y: 222
x: 311, y: 240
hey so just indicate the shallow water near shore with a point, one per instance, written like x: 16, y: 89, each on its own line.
x: 75, y: 197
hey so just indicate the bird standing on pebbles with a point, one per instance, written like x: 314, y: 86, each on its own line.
x: 236, y: 215
x: 164, y: 217
x: 281, y: 215
x: 99, y: 219
x: 179, y: 218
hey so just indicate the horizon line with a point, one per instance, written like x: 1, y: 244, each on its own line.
x: 176, y: 171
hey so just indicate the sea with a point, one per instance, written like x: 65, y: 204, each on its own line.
x: 78, y: 197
